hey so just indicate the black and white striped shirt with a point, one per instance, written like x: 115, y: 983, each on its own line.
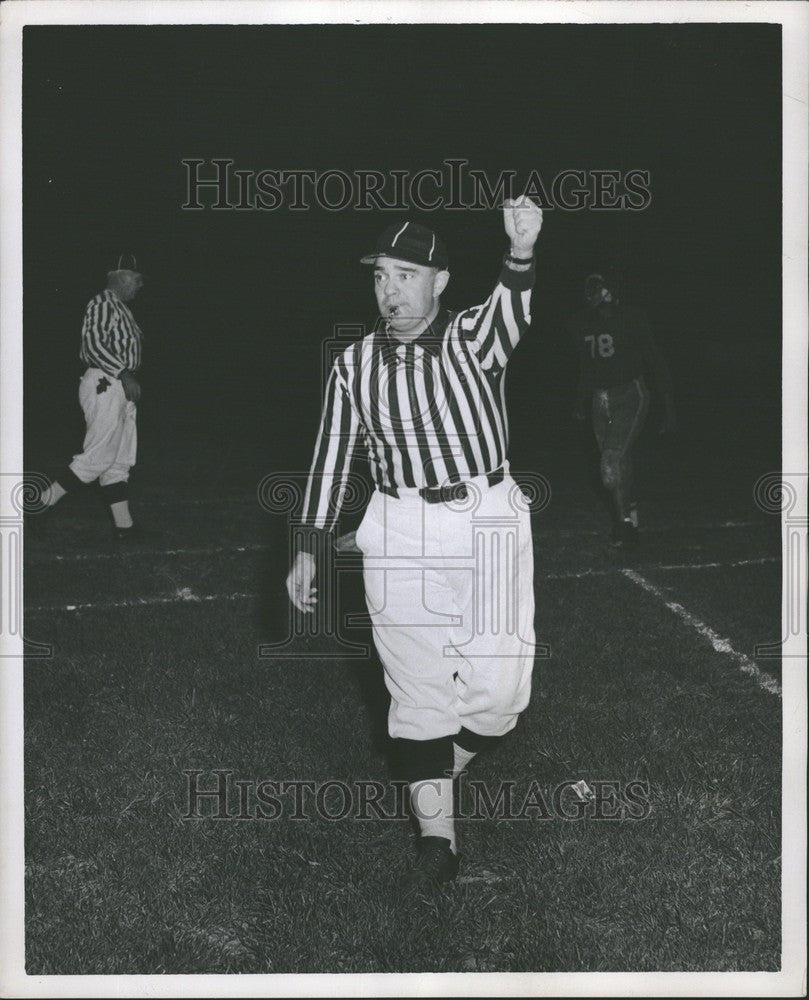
x: 110, y: 337
x: 427, y: 413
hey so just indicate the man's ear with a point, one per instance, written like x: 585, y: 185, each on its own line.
x: 440, y: 282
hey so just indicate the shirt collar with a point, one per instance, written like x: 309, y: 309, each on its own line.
x: 431, y: 340
x: 117, y: 298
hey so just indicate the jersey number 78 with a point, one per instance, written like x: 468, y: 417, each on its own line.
x: 606, y: 349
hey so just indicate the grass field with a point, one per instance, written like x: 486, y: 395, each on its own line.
x: 652, y: 677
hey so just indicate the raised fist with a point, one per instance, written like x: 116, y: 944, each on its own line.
x: 523, y: 221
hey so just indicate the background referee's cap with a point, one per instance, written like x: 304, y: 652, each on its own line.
x: 411, y: 242
x: 126, y: 262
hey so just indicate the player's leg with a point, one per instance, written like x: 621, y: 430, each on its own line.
x: 632, y: 437
x: 629, y: 405
x: 603, y: 414
x: 114, y: 481
x: 606, y: 406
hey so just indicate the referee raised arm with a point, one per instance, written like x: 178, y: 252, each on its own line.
x: 423, y: 398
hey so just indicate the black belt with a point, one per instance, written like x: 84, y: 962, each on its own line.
x: 447, y: 494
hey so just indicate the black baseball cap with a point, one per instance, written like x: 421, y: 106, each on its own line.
x: 411, y: 242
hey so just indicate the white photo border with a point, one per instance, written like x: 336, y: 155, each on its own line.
x: 794, y: 18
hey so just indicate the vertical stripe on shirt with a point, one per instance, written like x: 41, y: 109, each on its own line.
x: 429, y: 412
x: 110, y: 337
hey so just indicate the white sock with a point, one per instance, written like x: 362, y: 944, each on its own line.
x: 121, y: 515
x: 431, y: 801
x: 53, y: 494
x: 461, y: 759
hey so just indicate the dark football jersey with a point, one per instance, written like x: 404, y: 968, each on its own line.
x: 615, y: 346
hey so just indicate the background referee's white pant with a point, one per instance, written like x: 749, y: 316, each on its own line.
x: 110, y: 444
x: 450, y: 594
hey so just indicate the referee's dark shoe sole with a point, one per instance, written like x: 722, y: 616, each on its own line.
x: 624, y: 536
x: 436, y: 865
x: 130, y: 536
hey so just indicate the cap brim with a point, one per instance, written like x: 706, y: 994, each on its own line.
x: 374, y: 257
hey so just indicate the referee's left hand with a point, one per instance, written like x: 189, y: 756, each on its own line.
x: 523, y: 221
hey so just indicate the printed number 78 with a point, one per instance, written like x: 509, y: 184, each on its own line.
x: 605, y: 345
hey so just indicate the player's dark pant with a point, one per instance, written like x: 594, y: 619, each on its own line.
x: 619, y: 414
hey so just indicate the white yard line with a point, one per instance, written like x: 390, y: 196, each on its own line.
x: 185, y: 595
x: 128, y: 553
x: 580, y: 574
x: 759, y: 561
x: 744, y: 663
x: 661, y: 529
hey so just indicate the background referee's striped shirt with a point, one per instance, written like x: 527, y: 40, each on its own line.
x: 427, y: 413
x: 110, y: 337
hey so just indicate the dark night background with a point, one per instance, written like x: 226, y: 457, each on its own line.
x: 237, y: 304
x: 157, y: 668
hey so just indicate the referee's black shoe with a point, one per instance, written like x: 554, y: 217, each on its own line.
x: 624, y: 535
x: 436, y: 864
x: 128, y: 536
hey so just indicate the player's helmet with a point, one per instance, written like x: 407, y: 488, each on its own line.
x: 609, y: 279
x: 593, y: 285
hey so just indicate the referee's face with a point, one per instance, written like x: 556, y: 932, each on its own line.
x: 407, y: 295
x: 126, y: 284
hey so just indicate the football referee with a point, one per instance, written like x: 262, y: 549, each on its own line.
x: 423, y: 397
x: 108, y: 394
